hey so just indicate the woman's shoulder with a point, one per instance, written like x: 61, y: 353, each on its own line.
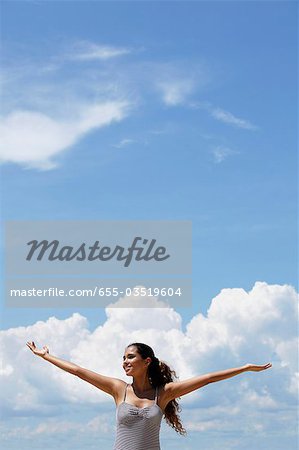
x: 163, y: 396
x: 120, y: 385
x: 165, y: 387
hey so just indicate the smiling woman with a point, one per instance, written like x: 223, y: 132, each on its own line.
x: 152, y: 394
x: 158, y: 374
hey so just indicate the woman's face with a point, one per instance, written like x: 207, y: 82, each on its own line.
x: 133, y: 363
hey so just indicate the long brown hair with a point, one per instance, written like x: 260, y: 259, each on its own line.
x: 159, y: 374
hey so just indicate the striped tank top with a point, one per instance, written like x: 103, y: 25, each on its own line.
x: 138, y: 428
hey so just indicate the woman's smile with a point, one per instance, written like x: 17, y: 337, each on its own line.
x: 132, y: 360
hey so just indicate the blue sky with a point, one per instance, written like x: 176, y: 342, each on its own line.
x: 157, y: 110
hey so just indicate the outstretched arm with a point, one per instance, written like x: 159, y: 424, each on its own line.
x: 177, y: 389
x: 107, y: 384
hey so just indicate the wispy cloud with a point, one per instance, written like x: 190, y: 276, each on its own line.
x: 49, y: 107
x: 33, y: 139
x: 124, y: 143
x: 230, y: 119
x: 220, y: 153
x: 222, y: 115
x: 86, y: 51
x: 45, y: 112
x: 175, y: 92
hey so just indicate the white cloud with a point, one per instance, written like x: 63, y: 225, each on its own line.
x: 98, y: 424
x: 47, y: 106
x: 124, y: 143
x: 230, y: 119
x: 222, y: 115
x: 5, y: 370
x: 204, y: 425
x: 86, y: 51
x: 34, y: 139
x: 240, y: 327
x: 220, y: 153
x: 175, y: 92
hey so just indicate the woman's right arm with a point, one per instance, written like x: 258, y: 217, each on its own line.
x: 111, y: 386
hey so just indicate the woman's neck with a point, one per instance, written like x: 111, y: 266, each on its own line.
x: 142, y: 384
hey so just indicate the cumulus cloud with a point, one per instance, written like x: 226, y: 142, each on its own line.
x: 34, y: 139
x: 74, y: 430
x: 256, y: 326
x: 239, y: 327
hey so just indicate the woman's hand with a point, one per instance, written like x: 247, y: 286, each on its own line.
x: 40, y: 352
x: 255, y: 368
x: 112, y: 386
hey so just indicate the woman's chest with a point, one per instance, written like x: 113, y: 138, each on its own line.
x: 129, y: 414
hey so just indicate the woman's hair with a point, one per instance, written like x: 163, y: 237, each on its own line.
x: 159, y: 374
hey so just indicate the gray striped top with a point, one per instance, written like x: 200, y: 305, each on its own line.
x: 138, y: 428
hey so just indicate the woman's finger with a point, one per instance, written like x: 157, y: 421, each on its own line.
x: 265, y: 366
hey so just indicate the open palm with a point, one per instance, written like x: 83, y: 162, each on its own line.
x: 36, y: 351
x: 256, y: 368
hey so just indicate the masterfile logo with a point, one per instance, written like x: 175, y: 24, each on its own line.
x: 67, y: 263
x: 143, y: 251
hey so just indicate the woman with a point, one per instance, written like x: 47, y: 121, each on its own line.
x: 152, y: 394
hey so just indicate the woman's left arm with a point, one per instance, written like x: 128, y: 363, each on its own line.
x: 177, y: 389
